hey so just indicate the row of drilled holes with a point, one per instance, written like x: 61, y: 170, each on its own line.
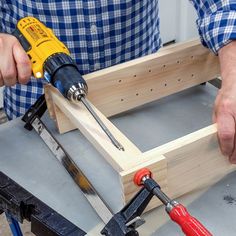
x: 192, y: 75
x: 164, y: 66
x: 151, y: 90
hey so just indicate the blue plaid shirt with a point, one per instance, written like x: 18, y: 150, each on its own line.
x: 100, y: 34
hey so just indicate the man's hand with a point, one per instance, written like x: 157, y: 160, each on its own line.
x: 15, y: 65
x: 225, y: 104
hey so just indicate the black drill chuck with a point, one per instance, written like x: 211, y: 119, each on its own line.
x: 65, y: 76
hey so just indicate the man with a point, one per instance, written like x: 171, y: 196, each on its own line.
x: 103, y: 33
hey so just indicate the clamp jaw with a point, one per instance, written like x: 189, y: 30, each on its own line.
x: 36, y: 110
x: 125, y: 222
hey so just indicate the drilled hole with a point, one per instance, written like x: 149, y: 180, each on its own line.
x: 192, y: 75
x: 150, y: 71
x: 178, y: 62
x: 164, y: 66
x: 120, y: 81
x: 179, y: 80
x: 192, y: 57
x: 151, y: 90
x: 165, y: 85
x: 121, y: 99
x: 137, y: 94
x: 135, y: 76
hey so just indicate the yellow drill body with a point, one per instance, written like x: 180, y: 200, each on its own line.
x: 42, y: 43
x: 49, y: 55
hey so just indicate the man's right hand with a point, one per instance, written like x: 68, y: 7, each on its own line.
x: 15, y: 65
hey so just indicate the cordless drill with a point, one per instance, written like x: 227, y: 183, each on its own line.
x: 51, y: 60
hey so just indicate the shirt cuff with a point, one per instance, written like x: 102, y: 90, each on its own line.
x: 218, y: 29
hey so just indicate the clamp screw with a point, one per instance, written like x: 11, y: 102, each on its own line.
x: 140, y: 175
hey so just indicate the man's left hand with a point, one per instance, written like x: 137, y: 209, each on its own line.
x: 225, y: 104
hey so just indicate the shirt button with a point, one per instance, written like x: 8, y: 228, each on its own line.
x: 96, y: 66
x: 93, y: 29
x: 96, y: 55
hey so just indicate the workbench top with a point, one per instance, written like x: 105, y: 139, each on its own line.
x: 27, y: 160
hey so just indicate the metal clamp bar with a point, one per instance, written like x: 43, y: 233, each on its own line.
x: 32, y: 119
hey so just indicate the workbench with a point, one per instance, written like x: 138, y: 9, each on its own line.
x: 27, y: 160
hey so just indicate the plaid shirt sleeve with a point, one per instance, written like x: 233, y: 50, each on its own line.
x: 216, y: 22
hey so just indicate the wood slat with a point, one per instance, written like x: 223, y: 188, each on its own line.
x: 192, y: 162
x: 134, y: 83
x: 80, y: 117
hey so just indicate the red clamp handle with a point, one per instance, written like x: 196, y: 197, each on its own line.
x: 190, y: 225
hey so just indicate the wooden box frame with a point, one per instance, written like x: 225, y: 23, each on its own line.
x: 179, y: 166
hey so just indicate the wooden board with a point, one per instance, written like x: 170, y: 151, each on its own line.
x: 172, y: 69
x: 192, y: 162
x: 180, y: 166
x: 84, y: 121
